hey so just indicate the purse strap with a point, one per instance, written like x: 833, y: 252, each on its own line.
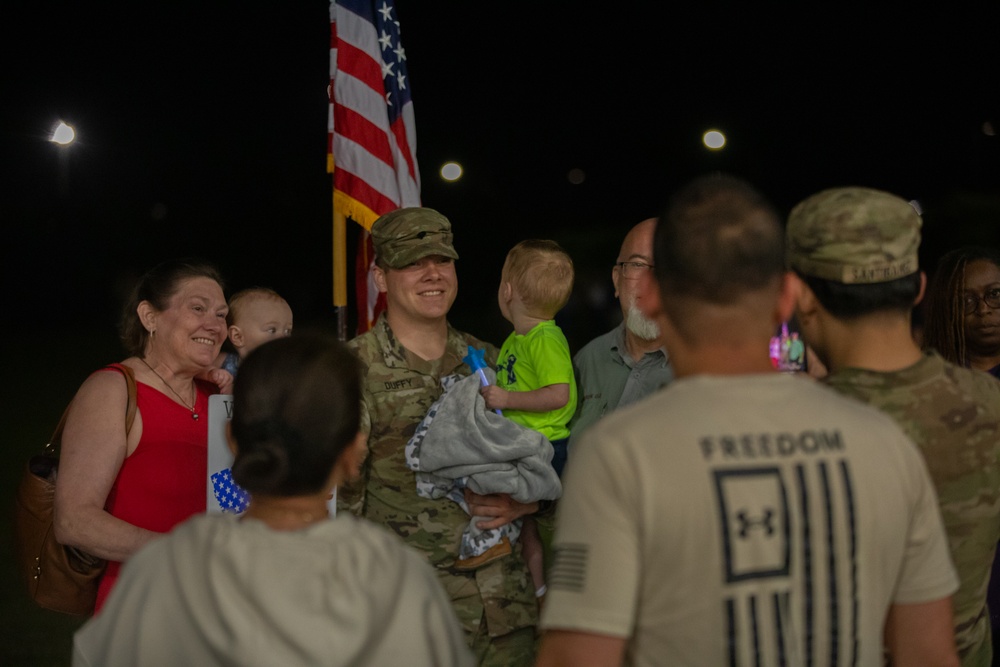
x: 51, y: 448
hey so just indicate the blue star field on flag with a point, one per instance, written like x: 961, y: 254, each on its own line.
x: 231, y: 498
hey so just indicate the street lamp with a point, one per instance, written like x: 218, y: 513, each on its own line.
x: 63, y: 134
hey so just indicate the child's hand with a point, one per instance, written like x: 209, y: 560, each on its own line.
x: 222, y: 378
x: 495, y: 397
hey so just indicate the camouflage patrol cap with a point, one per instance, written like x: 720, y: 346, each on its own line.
x: 406, y: 235
x: 854, y: 236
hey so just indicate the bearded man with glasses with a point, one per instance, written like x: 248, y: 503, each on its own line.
x: 629, y: 362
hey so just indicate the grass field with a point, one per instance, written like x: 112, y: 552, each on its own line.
x: 41, y: 374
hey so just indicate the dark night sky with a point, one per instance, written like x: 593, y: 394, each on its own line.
x: 202, y: 130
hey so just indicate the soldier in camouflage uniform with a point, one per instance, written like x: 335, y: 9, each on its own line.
x: 405, y: 356
x: 856, y: 252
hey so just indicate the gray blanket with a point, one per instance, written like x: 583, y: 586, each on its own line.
x: 460, y: 438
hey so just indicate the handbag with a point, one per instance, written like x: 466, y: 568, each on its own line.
x: 58, y: 577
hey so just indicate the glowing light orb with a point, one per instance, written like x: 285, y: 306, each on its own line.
x: 714, y: 140
x: 451, y: 171
x: 63, y: 134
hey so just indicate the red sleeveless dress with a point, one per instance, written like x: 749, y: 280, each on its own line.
x: 164, y: 481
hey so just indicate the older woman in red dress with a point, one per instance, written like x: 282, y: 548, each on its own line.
x: 116, y: 493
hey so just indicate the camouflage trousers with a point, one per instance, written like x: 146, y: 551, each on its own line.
x: 514, y: 649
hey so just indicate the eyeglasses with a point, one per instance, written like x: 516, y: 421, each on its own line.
x: 633, y: 269
x: 990, y: 297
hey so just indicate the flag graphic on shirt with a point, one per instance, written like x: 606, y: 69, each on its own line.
x: 230, y: 496
x: 372, y: 137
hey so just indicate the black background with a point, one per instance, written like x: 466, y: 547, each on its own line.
x: 202, y: 131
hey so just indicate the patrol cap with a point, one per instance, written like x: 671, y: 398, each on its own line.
x: 406, y: 235
x: 854, y: 236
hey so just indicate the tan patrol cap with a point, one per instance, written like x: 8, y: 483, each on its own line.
x: 854, y: 236
x: 406, y: 235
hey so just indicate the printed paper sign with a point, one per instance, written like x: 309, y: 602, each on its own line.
x: 223, y: 494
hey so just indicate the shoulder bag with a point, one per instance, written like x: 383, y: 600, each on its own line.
x: 59, y: 578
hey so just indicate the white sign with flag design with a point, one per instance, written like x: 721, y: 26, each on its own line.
x: 223, y: 494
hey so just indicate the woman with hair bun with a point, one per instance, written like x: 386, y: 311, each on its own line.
x: 282, y: 583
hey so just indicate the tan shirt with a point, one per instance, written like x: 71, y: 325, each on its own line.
x: 728, y: 519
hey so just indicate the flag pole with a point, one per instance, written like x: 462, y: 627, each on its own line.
x: 340, y: 271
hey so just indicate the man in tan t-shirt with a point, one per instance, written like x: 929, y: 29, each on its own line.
x: 743, y: 516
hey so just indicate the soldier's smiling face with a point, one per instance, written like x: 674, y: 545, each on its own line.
x: 423, y: 290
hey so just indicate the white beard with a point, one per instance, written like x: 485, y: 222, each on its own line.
x: 640, y: 325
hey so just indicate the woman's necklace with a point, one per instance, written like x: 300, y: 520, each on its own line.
x: 194, y: 415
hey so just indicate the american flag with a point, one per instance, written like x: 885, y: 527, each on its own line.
x: 230, y: 496
x: 370, y: 302
x: 372, y: 133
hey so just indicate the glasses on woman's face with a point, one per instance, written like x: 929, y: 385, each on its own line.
x: 632, y: 270
x: 991, y: 297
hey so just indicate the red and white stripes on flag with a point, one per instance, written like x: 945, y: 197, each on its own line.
x: 370, y: 302
x: 372, y: 133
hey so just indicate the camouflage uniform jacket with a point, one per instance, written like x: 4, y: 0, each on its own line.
x: 953, y: 415
x: 399, y: 388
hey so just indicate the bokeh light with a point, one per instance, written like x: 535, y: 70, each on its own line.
x: 714, y: 140
x: 451, y: 171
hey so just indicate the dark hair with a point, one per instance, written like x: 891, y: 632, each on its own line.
x: 944, y: 311
x: 158, y: 286
x: 296, y: 407
x: 718, y: 239
x: 851, y: 301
